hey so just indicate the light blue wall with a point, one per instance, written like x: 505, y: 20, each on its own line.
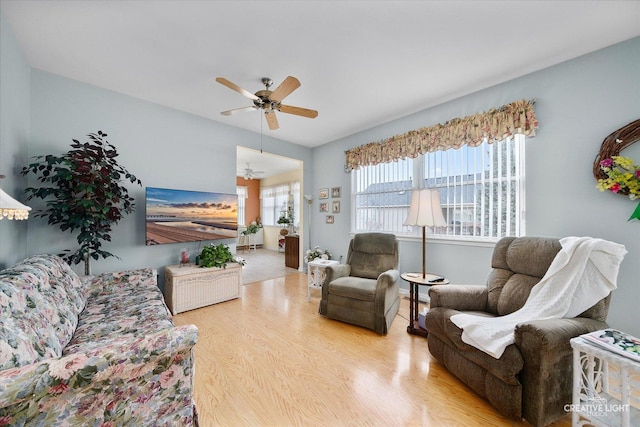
x: 14, y: 134
x: 162, y: 147
x: 579, y: 103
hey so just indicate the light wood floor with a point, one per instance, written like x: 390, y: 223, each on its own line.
x: 269, y: 359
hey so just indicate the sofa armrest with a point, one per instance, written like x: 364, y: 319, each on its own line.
x: 335, y: 271
x: 332, y: 272
x: 459, y: 297
x: 130, y: 380
x: 386, y: 289
x: 548, y: 365
x: 553, y: 335
x: 388, y: 278
x: 107, y: 283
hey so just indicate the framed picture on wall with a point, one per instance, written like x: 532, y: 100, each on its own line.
x: 329, y: 219
x: 324, y: 207
x: 324, y: 193
x: 335, y: 192
x: 335, y: 206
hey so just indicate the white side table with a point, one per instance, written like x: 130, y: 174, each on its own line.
x: 316, y: 274
x: 606, y: 387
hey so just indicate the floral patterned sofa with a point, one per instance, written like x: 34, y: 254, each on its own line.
x: 96, y: 351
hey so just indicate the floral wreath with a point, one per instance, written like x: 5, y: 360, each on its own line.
x: 617, y: 173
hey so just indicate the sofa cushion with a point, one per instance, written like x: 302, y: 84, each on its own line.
x: 66, y: 288
x: 41, y: 297
x: 27, y: 332
x: 515, y: 293
x: 518, y: 265
x: 507, y: 368
x: 354, y: 288
x: 371, y: 254
x: 117, y: 305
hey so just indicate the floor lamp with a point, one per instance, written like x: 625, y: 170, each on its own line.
x: 309, y: 199
x: 425, y: 211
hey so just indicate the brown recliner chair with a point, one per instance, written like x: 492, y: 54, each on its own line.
x: 533, y: 378
x: 364, y: 291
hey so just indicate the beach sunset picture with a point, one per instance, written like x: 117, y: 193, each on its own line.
x: 175, y: 216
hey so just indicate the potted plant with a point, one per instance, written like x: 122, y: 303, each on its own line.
x: 217, y: 256
x: 284, y: 220
x: 251, y: 229
x: 85, y: 194
x: 316, y: 253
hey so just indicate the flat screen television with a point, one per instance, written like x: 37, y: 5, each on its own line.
x: 176, y: 216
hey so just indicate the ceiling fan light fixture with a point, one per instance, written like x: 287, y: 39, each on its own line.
x: 270, y: 101
x: 249, y: 173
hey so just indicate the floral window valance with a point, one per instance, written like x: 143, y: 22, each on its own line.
x: 495, y: 124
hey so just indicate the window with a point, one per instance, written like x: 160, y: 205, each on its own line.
x: 242, y: 199
x: 481, y: 191
x: 277, y: 200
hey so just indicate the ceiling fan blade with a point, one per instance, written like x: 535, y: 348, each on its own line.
x: 286, y: 87
x: 235, y: 87
x: 272, y: 120
x: 298, y: 111
x: 238, y: 110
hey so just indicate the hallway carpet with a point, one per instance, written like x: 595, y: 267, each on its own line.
x: 263, y: 264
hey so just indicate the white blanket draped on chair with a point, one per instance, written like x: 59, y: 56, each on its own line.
x: 583, y: 272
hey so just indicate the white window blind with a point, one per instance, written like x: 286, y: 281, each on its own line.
x: 481, y: 191
x: 295, y: 192
x: 243, y: 193
x: 276, y: 199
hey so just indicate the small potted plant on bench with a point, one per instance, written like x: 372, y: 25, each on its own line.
x: 218, y: 256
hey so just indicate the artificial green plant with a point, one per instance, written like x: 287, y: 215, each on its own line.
x: 84, y: 193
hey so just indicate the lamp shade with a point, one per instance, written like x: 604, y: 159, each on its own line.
x: 11, y: 208
x: 425, y: 209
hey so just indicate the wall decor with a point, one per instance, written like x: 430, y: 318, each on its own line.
x: 189, y: 216
x: 324, y: 207
x: 335, y: 206
x: 324, y: 193
x: 329, y: 219
x: 616, y: 173
x: 335, y: 192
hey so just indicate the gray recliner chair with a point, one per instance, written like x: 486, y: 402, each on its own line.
x: 364, y: 291
x: 533, y: 378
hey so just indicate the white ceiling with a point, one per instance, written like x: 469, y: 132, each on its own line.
x: 361, y: 63
x: 268, y: 164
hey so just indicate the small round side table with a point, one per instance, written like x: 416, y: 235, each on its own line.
x: 415, y: 281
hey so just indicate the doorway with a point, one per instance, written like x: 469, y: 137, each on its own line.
x: 278, y: 180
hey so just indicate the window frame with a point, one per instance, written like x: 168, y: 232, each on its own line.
x: 284, y: 195
x: 518, y: 176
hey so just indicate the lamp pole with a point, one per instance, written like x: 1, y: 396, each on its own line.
x: 424, y: 252
x: 309, y: 199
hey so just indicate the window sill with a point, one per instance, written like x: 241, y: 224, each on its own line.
x: 438, y: 240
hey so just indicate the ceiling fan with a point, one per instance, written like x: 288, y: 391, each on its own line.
x: 269, y: 101
x: 250, y: 173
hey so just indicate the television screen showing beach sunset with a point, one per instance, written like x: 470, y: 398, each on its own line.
x: 175, y: 216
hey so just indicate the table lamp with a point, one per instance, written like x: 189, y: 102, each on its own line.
x: 425, y: 211
x: 11, y: 208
